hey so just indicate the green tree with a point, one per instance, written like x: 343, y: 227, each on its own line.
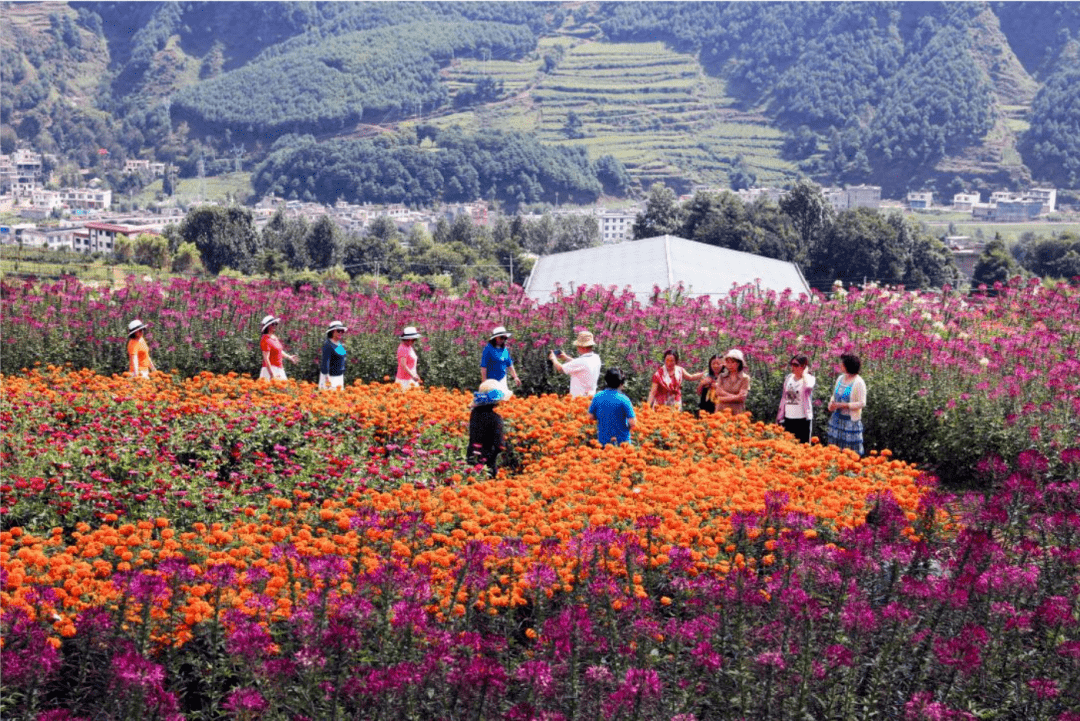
x: 225, y: 237
x: 286, y: 236
x: 1054, y: 257
x: 152, y: 250
x: 994, y: 264
x: 809, y: 212
x: 186, y: 259
x: 123, y: 248
x: 663, y: 214
x: 323, y: 243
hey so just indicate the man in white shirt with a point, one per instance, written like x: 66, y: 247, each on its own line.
x: 584, y: 371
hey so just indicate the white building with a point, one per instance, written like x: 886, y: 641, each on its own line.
x: 920, y: 199
x: 616, y: 226
x: 965, y: 202
x: 662, y: 262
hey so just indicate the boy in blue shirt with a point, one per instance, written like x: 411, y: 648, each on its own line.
x: 612, y: 411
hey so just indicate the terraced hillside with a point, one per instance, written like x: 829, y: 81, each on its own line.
x: 647, y: 105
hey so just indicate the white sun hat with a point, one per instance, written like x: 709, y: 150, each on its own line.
x: 135, y: 325
x: 269, y: 320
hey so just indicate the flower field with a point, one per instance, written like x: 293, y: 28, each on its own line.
x: 213, y: 547
x: 200, y: 545
x: 954, y: 382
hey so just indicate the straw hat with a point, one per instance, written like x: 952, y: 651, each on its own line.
x: 135, y: 325
x: 335, y: 325
x: 489, y: 393
x: 735, y: 354
x: 584, y: 340
x: 269, y: 320
x: 499, y: 330
x: 410, y: 333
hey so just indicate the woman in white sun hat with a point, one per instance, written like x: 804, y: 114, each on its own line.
x: 139, y: 363
x: 272, y: 351
x: 729, y: 392
x: 406, y: 359
x: 332, y: 362
x: 496, y: 363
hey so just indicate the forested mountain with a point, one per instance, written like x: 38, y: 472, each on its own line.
x: 947, y: 95
x: 431, y: 166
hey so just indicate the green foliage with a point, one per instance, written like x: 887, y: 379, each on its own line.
x: 881, y: 83
x: 995, y: 265
x: 152, y: 250
x: 187, y: 259
x: 809, y: 211
x: 663, y: 215
x: 1055, y: 257
x: 510, y: 167
x: 370, y: 73
x: 224, y: 237
x: 864, y: 245
x: 1051, y: 146
x: 865, y: 92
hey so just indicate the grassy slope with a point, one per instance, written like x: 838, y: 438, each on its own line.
x: 650, y: 107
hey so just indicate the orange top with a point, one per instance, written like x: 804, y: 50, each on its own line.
x: 273, y: 345
x: 138, y: 350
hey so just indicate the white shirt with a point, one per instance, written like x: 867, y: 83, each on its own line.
x: 584, y: 372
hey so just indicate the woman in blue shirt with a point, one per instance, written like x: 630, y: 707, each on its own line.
x: 496, y: 362
x: 332, y: 363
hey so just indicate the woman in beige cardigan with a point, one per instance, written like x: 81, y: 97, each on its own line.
x: 848, y: 400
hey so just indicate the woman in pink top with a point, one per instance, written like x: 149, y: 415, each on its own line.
x: 406, y: 360
x: 273, y: 368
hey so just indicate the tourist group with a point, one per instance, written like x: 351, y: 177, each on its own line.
x: 722, y: 387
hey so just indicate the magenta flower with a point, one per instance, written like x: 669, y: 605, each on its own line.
x: 245, y: 701
x: 963, y: 651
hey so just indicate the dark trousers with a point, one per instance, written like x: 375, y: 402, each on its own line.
x: 798, y: 427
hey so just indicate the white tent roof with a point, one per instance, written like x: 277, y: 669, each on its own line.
x: 663, y: 261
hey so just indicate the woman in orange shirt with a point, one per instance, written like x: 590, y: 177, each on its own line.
x: 272, y: 351
x: 139, y: 363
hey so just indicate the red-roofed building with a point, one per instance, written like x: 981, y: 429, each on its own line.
x: 103, y: 235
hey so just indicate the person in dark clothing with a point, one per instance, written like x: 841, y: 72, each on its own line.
x: 486, y: 426
x: 332, y: 361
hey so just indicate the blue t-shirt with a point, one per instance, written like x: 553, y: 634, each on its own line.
x: 612, y: 410
x: 496, y: 360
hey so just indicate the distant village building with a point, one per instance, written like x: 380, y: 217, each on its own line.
x: 22, y: 171
x: 920, y: 199
x: 476, y: 210
x: 52, y: 238
x: 616, y: 226
x: 964, y: 202
x: 864, y: 196
x: 1017, y: 210
x: 835, y: 197
x: 102, y: 236
x: 852, y: 197
x: 1048, y: 197
x: 662, y: 262
x: 86, y: 198
x: 144, y: 167
x: 750, y: 195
